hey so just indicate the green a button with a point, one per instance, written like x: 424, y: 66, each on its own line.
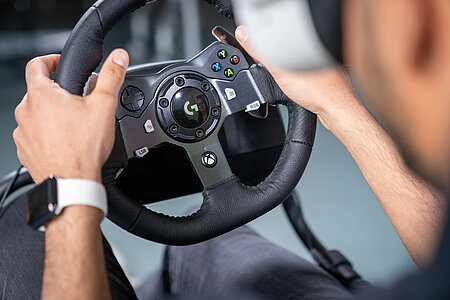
x: 229, y: 72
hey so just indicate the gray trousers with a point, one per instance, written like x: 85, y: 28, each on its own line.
x: 237, y: 265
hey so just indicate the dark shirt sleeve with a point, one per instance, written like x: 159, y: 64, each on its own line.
x: 433, y: 283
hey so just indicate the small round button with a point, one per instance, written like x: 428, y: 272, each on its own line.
x: 199, y: 133
x: 173, y: 128
x: 222, y: 54
x: 163, y: 102
x: 216, y: 67
x: 215, y: 111
x: 209, y: 159
x: 235, y: 59
x: 205, y: 86
x: 190, y: 107
x: 229, y: 72
x: 132, y: 98
x: 179, y: 81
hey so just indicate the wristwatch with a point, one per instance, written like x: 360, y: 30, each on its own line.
x: 49, y: 198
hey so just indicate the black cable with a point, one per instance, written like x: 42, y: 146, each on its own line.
x: 331, y: 261
x: 294, y: 211
x: 7, y: 191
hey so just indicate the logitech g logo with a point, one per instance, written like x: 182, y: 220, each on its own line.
x: 190, y: 108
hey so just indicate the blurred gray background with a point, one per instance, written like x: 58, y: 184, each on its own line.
x: 337, y: 202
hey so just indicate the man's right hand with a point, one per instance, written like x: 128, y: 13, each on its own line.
x: 325, y: 93
x: 415, y: 209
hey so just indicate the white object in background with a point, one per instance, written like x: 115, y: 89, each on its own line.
x: 283, y: 33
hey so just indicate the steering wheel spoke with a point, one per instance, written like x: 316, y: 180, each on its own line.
x: 209, y: 161
x: 238, y: 95
x: 141, y: 135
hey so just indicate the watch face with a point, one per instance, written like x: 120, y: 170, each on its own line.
x: 41, y: 203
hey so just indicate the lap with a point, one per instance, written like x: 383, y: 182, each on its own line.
x: 22, y: 259
x: 242, y: 264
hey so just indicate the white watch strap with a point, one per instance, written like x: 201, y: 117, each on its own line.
x: 80, y: 192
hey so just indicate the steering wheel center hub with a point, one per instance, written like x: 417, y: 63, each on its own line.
x: 188, y: 107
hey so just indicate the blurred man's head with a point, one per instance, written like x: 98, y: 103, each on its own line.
x: 399, y: 52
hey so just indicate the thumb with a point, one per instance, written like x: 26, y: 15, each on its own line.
x: 112, y: 74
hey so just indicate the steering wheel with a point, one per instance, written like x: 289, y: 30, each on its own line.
x: 227, y: 203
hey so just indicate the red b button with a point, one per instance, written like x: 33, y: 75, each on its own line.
x: 235, y: 59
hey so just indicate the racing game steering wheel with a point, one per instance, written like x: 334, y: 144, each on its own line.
x: 185, y: 104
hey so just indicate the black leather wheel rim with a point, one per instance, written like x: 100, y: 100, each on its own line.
x: 228, y: 204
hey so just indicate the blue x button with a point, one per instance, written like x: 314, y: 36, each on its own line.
x: 216, y: 67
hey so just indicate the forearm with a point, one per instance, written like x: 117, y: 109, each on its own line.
x: 415, y: 209
x: 74, y: 266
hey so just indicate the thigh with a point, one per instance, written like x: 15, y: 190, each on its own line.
x: 242, y: 263
x: 22, y: 259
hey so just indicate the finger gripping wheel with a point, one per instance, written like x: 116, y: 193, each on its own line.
x: 185, y: 104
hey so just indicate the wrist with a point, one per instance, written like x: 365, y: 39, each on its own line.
x: 72, y: 173
x: 94, y: 175
x: 77, y: 216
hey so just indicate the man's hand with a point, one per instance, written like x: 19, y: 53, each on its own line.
x: 63, y: 134
x: 322, y: 92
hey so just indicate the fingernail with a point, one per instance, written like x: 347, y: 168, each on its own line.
x: 121, y: 58
x: 242, y: 34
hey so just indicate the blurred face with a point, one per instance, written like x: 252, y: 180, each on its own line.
x: 399, y: 52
